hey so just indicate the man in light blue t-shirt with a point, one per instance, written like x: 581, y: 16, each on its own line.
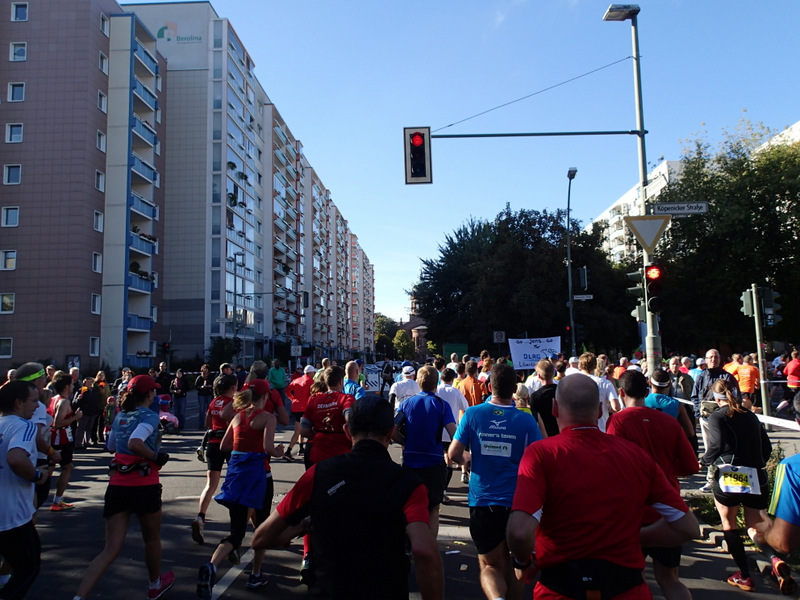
x: 496, y: 433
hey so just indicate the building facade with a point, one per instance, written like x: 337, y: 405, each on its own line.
x: 124, y: 226
x: 82, y: 192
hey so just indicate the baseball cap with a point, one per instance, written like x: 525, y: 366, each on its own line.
x: 700, y: 361
x: 408, y: 371
x: 573, y: 359
x: 360, y: 362
x: 309, y: 369
x: 164, y: 399
x: 143, y: 384
x: 259, y: 386
x: 371, y: 414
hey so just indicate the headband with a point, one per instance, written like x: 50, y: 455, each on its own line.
x: 31, y: 377
x: 718, y: 396
x: 657, y: 384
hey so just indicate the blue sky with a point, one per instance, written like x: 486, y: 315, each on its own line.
x: 348, y: 75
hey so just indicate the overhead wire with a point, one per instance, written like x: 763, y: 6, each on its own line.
x: 547, y: 89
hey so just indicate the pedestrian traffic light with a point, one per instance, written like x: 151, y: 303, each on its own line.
x: 417, y: 146
x: 638, y: 289
x: 769, y: 307
x: 640, y: 312
x: 165, y: 348
x: 652, y: 276
x: 747, y: 303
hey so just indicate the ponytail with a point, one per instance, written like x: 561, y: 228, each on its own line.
x: 720, y: 386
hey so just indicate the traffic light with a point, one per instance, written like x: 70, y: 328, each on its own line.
x: 747, y: 303
x: 417, y: 147
x: 237, y: 345
x: 580, y: 332
x: 583, y: 276
x: 652, y: 276
x: 305, y: 300
x: 637, y: 290
x: 165, y: 348
x: 769, y: 307
x: 640, y: 312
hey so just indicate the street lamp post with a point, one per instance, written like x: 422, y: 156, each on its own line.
x: 570, y: 175
x: 623, y: 12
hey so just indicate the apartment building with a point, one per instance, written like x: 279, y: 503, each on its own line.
x: 83, y: 115
x: 260, y: 252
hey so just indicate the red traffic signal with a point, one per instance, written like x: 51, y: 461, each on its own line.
x: 417, y: 150
x: 417, y: 139
x: 652, y: 276
x: 652, y: 272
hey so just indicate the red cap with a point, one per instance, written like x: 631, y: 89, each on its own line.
x: 143, y: 384
x: 260, y: 387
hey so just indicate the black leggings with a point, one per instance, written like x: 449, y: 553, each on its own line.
x: 238, y: 513
x: 22, y: 550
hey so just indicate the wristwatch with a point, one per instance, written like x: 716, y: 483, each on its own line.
x: 37, y: 476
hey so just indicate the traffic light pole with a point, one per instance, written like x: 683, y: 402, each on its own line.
x: 757, y: 311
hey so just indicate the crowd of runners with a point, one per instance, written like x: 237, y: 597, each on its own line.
x: 573, y: 472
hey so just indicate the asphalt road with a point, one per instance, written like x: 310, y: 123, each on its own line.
x: 72, y: 538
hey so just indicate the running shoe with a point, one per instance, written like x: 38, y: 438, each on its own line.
x: 167, y: 579
x: 257, y: 581
x: 745, y: 583
x: 60, y: 506
x: 205, y: 581
x: 287, y: 456
x: 783, y: 574
x: 446, y: 499
x: 304, y: 572
x: 197, y: 529
x: 706, y: 489
x: 235, y: 556
x: 465, y: 478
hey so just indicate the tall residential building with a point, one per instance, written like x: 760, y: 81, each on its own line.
x: 82, y: 193
x: 257, y: 251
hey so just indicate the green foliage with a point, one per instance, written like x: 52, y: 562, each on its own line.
x: 403, y: 344
x: 510, y: 275
x: 219, y: 351
x: 750, y: 235
x: 385, y: 330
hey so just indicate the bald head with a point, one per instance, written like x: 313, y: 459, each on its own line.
x: 351, y: 368
x: 578, y: 400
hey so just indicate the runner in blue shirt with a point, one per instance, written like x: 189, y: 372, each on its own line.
x: 497, y: 433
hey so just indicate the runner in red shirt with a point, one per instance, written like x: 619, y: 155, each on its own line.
x: 299, y: 391
x: 581, y: 497
x: 661, y: 436
x: 61, y: 435
x: 219, y: 415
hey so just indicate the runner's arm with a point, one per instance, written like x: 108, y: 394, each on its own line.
x: 666, y: 534
x: 427, y: 560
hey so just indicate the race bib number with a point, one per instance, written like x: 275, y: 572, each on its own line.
x: 739, y: 480
x: 489, y: 448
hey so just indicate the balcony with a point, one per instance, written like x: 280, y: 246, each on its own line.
x: 135, y: 282
x: 139, y: 323
x: 144, y: 131
x: 143, y: 169
x: 148, y: 60
x: 281, y: 223
x: 142, y: 245
x: 142, y: 206
x: 139, y: 362
x: 144, y: 94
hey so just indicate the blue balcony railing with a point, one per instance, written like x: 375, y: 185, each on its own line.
x: 141, y: 244
x: 144, y: 131
x: 144, y: 55
x: 142, y: 206
x: 137, y: 322
x: 139, y: 362
x: 144, y: 169
x: 145, y: 94
x: 137, y: 283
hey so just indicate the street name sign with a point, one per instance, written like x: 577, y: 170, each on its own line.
x: 680, y: 208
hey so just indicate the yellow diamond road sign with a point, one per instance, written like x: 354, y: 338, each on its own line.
x: 648, y: 230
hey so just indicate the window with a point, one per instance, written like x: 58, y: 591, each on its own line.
x: 94, y: 346
x: 16, y: 92
x: 102, y: 101
x: 7, y: 301
x: 259, y: 327
x: 98, y: 221
x: 10, y: 216
x: 96, y: 304
x: 104, y: 24
x: 103, y: 63
x: 101, y: 141
x: 5, y: 347
x: 18, y: 51
x: 12, y: 174
x: 100, y: 181
x: 97, y: 262
x: 19, y: 11
x: 13, y: 133
x: 8, y: 260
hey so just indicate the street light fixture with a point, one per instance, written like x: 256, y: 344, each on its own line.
x: 623, y: 12
x: 570, y: 175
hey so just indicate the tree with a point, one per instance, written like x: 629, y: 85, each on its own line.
x: 749, y: 235
x: 385, y: 330
x: 403, y: 344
